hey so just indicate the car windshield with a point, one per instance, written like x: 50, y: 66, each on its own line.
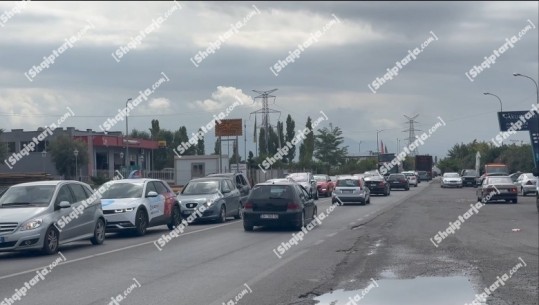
x: 122, y: 190
x: 201, y: 187
x: 299, y: 177
x: 396, y: 177
x: 272, y: 192
x: 470, y: 173
x: 348, y: 183
x: 451, y: 175
x: 500, y: 180
x: 27, y: 196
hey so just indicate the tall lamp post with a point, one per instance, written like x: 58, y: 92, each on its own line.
x: 141, y: 158
x: 536, y: 117
x: 359, y: 152
x: 127, y: 137
x: 378, y: 148
x: 488, y: 93
x: 43, y: 155
x: 76, y: 153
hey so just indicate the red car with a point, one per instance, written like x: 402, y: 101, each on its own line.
x: 324, y: 185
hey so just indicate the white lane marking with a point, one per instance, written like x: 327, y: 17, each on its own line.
x: 318, y: 242
x: 69, y: 261
x: 332, y: 234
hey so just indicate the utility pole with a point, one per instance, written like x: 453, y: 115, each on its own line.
x: 411, y: 132
x: 265, y: 111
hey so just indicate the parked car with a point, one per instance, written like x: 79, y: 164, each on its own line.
x: 324, y: 185
x: 36, y: 216
x: 398, y: 181
x: 307, y: 181
x: 283, y: 203
x: 137, y: 204
x: 219, y: 194
x: 240, y: 181
x: 351, y: 189
x: 470, y: 177
x: 376, y: 183
x: 412, y: 178
x: 499, y: 188
x: 526, y: 184
x: 451, y: 180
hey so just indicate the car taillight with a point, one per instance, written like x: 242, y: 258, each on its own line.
x: 248, y: 205
x: 293, y: 206
x: 381, y: 183
x: 513, y: 190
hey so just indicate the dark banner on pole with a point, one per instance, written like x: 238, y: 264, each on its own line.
x: 509, y: 118
x: 534, y: 138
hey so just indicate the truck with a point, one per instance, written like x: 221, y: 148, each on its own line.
x: 494, y: 169
x: 423, y: 163
x: 387, y: 158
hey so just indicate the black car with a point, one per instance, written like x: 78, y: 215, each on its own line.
x: 285, y: 203
x: 398, y: 181
x: 470, y: 177
x: 377, y: 184
x: 240, y: 181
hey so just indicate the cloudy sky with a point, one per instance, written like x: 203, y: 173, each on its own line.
x: 345, y: 47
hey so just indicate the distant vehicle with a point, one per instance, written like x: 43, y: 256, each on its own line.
x: 496, y: 169
x: 333, y: 178
x: 398, y: 181
x: 387, y: 158
x: 376, y: 183
x: 423, y: 176
x: 498, y: 188
x: 240, y: 181
x: 307, y: 181
x: 526, y: 183
x: 451, y: 180
x: 34, y: 216
x: 278, y: 180
x: 284, y: 203
x: 351, y: 189
x: 514, y: 176
x: 470, y: 177
x: 137, y: 204
x: 412, y: 178
x: 324, y: 185
x: 218, y: 193
x: 423, y: 163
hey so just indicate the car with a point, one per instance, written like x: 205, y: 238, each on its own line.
x: 398, y: 181
x: 240, y: 181
x: 351, y: 189
x: 412, y: 178
x: 278, y: 180
x: 324, y: 185
x: 333, y: 179
x: 307, y: 181
x: 499, y: 188
x: 526, y: 183
x: 219, y: 194
x: 376, y: 183
x: 279, y: 203
x: 423, y: 176
x: 41, y: 216
x: 514, y: 176
x: 470, y: 177
x: 451, y: 180
x: 139, y: 203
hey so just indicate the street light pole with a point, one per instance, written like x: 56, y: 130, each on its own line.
x: 44, y: 155
x: 127, y: 138
x: 76, y: 153
x: 488, y: 93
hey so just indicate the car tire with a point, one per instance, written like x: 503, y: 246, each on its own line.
x: 317, y: 197
x: 99, y: 232
x: 222, y: 215
x: 247, y: 227
x: 176, y: 218
x: 141, y: 222
x: 522, y: 192
x: 514, y: 200
x: 407, y: 189
x: 240, y: 208
x: 299, y: 226
x: 51, y: 241
x: 369, y: 200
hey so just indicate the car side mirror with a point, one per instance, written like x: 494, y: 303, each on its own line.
x: 152, y: 194
x: 536, y: 172
x: 64, y: 204
x: 226, y: 191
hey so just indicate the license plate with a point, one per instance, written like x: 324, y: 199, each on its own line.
x: 347, y: 191
x: 2, y: 239
x: 269, y: 216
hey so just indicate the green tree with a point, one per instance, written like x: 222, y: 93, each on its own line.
x: 217, y: 147
x: 306, y: 149
x: 328, y: 148
x: 290, y: 134
x: 61, y: 149
x: 139, y: 134
x: 200, y: 145
x: 262, y: 150
x: 3, y: 147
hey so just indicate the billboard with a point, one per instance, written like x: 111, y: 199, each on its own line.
x: 228, y: 128
x: 508, y: 118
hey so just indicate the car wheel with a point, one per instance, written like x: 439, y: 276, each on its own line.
x: 99, y: 232
x: 51, y: 242
x: 247, y: 226
x: 176, y: 218
x: 369, y: 200
x: 240, y: 208
x: 407, y: 189
x: 316, y: 198
x: 299, y: 226
x: 141, y: 222
x: 315, y: 213
x: 515, y: 200
x: 222, y: 215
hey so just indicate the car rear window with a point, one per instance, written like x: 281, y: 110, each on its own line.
x: 348, y: 183
x: 272, y: 192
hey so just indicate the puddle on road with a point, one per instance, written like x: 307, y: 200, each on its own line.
x: 454, y: 290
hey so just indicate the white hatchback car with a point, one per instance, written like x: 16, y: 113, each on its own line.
x: 412, y: 178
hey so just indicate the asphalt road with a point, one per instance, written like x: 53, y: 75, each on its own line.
x: 220, y: 263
